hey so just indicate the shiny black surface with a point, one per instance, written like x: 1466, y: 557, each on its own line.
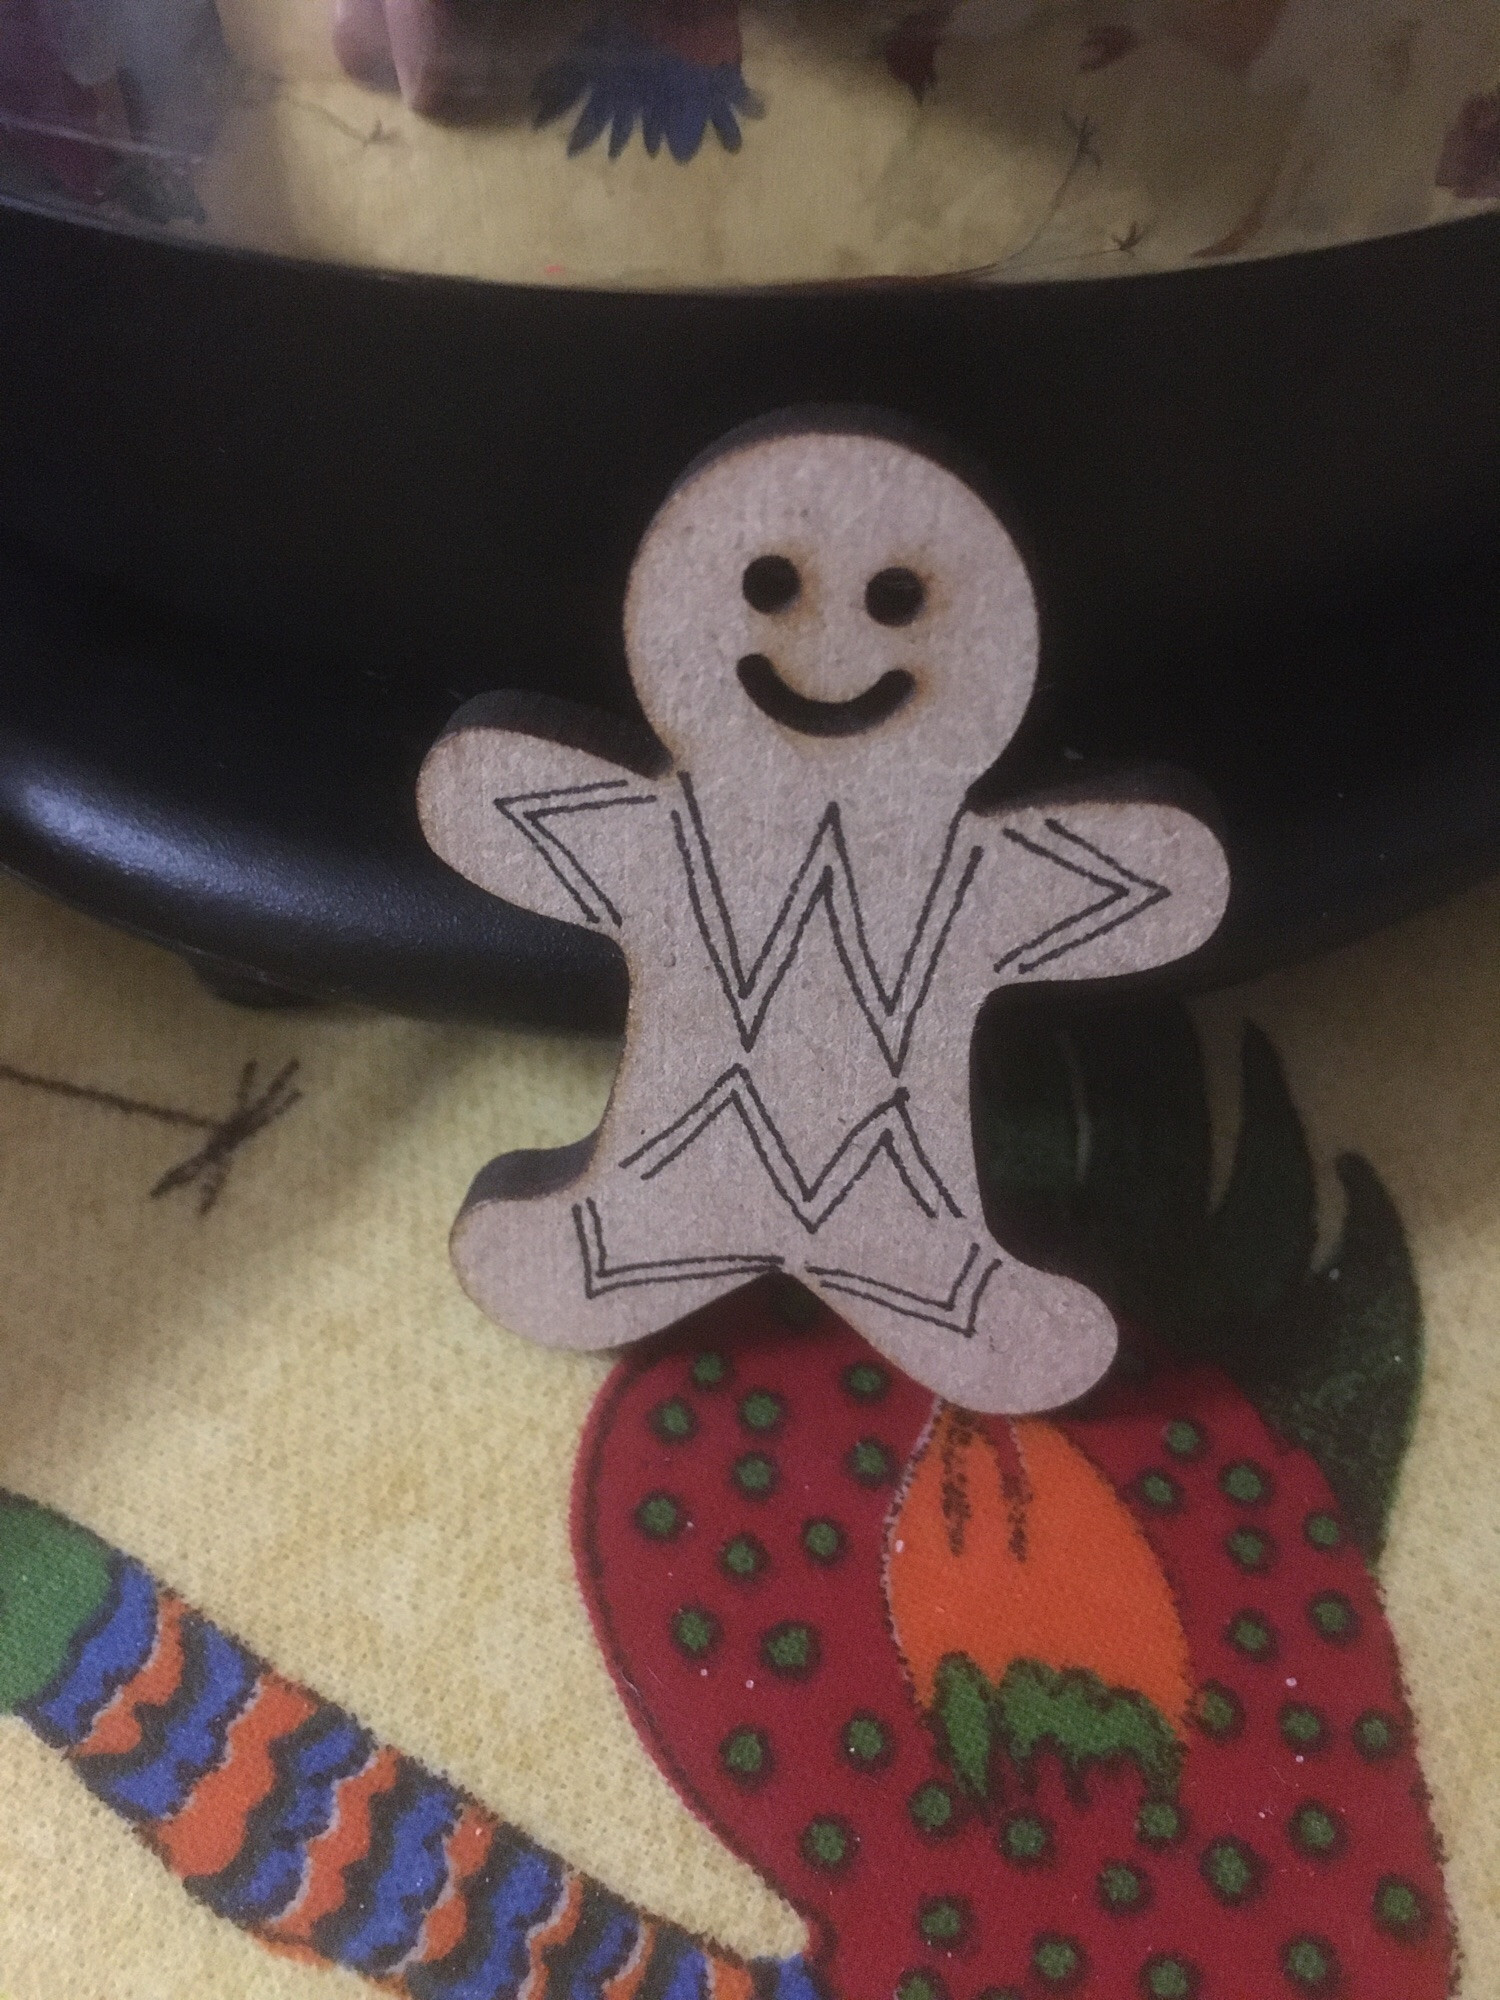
x: 262, y: 526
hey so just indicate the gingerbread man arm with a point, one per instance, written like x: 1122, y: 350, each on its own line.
x: 1091, y: 888
x: 527, y: 796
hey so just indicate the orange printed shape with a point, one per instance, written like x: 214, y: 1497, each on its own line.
x: 627, y: 1981
x: 207, y: 1832
x: 729, y: 1980
x: 1008, y: 1544
x: 343, y: 1842
x: 557, y: 1929
x: 467, y: 1848
x: 117, y: 1728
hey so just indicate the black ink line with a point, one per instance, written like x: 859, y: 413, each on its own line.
x: 599, y: 1278
x: 1084, y: 133
x: 809, y: 717
x: 876, y: 1291
x: 731, y: 1092
x: 108, y: 1100
x: 863, y: 975
x: 207, y: 1168
x: 1115, y: 890
x: 1100, y: 854
x: 577, y: 798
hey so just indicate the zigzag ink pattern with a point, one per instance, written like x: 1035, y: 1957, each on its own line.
x: 600, y: 1275
x: 826, y: 877
x: 1138, y: 893
x: 887, y: 1129
x: 957, y: 1310
x: 529, y: 812
x: 281, y: 1814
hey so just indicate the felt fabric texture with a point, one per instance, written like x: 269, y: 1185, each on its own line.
x: 1078, y: 1703
x: 256, y: 1377
x: 816, y: 141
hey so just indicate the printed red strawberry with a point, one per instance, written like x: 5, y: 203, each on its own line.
x: 1104, y: 1704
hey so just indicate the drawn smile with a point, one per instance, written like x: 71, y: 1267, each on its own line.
x: 808, y: 717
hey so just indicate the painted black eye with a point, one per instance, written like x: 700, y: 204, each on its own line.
x: 894, y: 596
x: 770, y: 583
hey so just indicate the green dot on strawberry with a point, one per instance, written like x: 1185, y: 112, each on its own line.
x: 1246, y: 1483
x: 1169, y: 1977
x: 1123, y: 1888
x: 1160, y: 1492
x: 944, y: 1921
x: 1232, y: 1870
x: 1182, y: 1438
x: 828, y: 1843
x: 1311, y: 1965
x: 1334, y: 1618
x: 1316, y: 1830
x: 1026, y: 1839
x: 791, y: 1649
x: 869, y: 1461
x: 1377, y: 1735
x: 661, y: 1516
x: 1103, y: 1704
x: 867, y: 1742
x: 1059, y: 1962
x: 1218, y: 1711
x: 755, y: 1475
x: 1160, y: 1823
x: 744, y: 1558
x: 933, y: 1808
x: 1323, y: 1530
x: 823, y: 1541
x: 746, y: 1756
x: 673, y: 1421
x: 1401, y: 1908
x: 761, y: 1410
x: 1303, y: 1729
x: 695, y: 1631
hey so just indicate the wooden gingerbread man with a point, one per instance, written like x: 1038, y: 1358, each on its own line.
x: 833, y: 637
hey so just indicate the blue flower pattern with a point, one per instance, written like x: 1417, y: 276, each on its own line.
x: 617, y: 77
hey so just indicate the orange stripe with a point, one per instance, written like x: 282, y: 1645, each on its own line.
x: 468, y: 1848
x: 626, y: 1981
x: 555, y: 1930
x: 728, y: 1980
x: 207, y: 1832
x: 300, y: 1954
x: 117, y: 1728
x: 344, y: 1841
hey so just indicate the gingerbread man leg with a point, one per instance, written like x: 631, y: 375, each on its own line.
x: 558, y: 1252
x: 982, y: 1329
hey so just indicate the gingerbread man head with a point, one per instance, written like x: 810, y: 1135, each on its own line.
x: 803, y: 589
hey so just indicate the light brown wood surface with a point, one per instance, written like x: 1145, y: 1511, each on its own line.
x: 812, y: 914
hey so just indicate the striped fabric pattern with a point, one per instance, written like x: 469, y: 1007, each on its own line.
x: 283, y: 1815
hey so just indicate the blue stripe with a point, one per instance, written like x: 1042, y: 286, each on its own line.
x: 408, y: 1885
x: 107, y: 1659
x: 266, y: 1878
x: 791, y: 1979
x: 511, y: 1909
x: 612, y: 1948
x: 689, y: 1980
x: 217, y: 1677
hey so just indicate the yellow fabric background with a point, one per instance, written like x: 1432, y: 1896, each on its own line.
x: 288, y: 1411
x: 1252, y: 125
